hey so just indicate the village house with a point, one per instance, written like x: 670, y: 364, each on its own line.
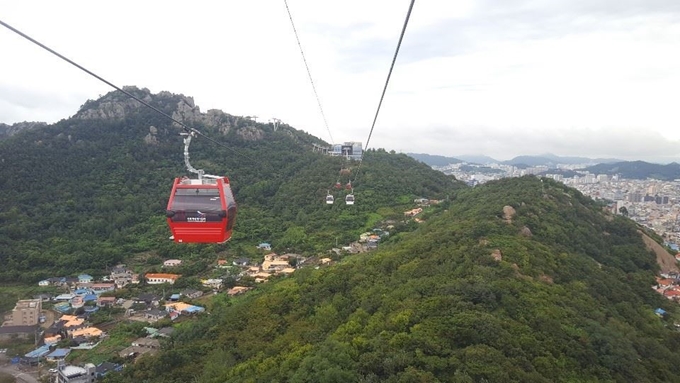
x: 261, y: 277
x: 275, y: 265
x: 147, y: 298
x: 58, y: 354
x: 172, y: 263
x: 85, y: 278
x: 122, y: 276
x: 106, y: 301
x: 157, y: 278
x: 264, y: 246
x: 87, y: 332
x: 183, y: 308
x: 192, y: 293
x: 154, y: 314
x: 99, y: 288
x: 413, y: 212
x: 236, y: 290
x: 213, y: 283
x: 241, y: 262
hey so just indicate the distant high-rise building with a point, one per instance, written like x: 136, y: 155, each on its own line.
x: 653, y: 189
x: 602, y: 178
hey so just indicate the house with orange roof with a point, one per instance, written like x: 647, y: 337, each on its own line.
x: 274, y: 265
x: 158, y: 278
x: 237, y: 290
x: 87, y: 332
x: 413, y: 212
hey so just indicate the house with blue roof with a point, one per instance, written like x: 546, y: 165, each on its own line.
x: 264, y: 246
x: 58, y: 354
x: 660, y: 312
x: 38, y: 352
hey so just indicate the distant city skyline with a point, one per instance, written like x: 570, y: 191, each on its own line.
x: 505, y: 78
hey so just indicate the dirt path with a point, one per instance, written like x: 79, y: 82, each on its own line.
x: 665, y: 260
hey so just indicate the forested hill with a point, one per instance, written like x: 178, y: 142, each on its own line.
x: 521, y: 280
x: 639, y: 170
x: 91, y: 190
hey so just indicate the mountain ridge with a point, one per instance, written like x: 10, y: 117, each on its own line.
x: 516, y: 280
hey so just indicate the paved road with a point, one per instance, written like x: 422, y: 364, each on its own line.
x: 21, y: 376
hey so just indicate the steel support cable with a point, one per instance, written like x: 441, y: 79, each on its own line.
x: 184, y: 126
x: 387, y: 81
x: 309, y: 73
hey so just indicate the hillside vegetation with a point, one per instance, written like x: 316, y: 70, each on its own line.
x: 639, y: 170
x: 521, y: 280
x: 90, y: 191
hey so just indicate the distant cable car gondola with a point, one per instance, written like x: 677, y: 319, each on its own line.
x: 201, y: 210
x: 329, y: 199
x: 349, y: 199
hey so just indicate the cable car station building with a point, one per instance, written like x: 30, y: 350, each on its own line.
x: 349, y: 150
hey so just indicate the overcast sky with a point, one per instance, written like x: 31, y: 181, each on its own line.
x: 598, y: 78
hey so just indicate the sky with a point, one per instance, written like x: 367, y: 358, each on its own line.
x: 595, y: 78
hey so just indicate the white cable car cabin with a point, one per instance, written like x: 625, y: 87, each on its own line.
x: 349, y: 199
x: 329, y: 199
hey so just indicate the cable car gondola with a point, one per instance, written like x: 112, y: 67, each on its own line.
x: 329, y: 199
x: 201, y: 210
x: 349, y: 199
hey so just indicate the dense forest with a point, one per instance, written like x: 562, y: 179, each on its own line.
x: 517, y: 280
x: 90, y: 191
x: 521, y: 280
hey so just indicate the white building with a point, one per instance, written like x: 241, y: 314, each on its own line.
x: 75, y: 374
x: 172, y: 262
x: 158, y: 278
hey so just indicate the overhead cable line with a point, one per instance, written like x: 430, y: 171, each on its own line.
x: 389, y: 74
x: 387, y: 81
x: 309, y: 73
x: 184, y: 126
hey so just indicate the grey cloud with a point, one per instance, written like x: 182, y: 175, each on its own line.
x: 24, y: 104
x: 621, y: 143
x: 496, y: 20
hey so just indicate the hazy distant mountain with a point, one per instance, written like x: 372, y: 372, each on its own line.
x: 531, y: 161
x: 580, y: 160
x: 553, y: 160
x: 434, y: 160
x: 478, y: 159
x: 524, y: 161
x: 638, y: 170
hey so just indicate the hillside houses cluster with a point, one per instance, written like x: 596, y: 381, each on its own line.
x: 668, y: 285
x: 273, y: 264
x: 77, y: 329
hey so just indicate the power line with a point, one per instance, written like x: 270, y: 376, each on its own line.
x: 387, y: 81
x: 389, y: 74
x: 318, y: 101
x: 186, y: 128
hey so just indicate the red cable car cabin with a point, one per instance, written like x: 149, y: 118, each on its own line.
x: 201, y: 211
